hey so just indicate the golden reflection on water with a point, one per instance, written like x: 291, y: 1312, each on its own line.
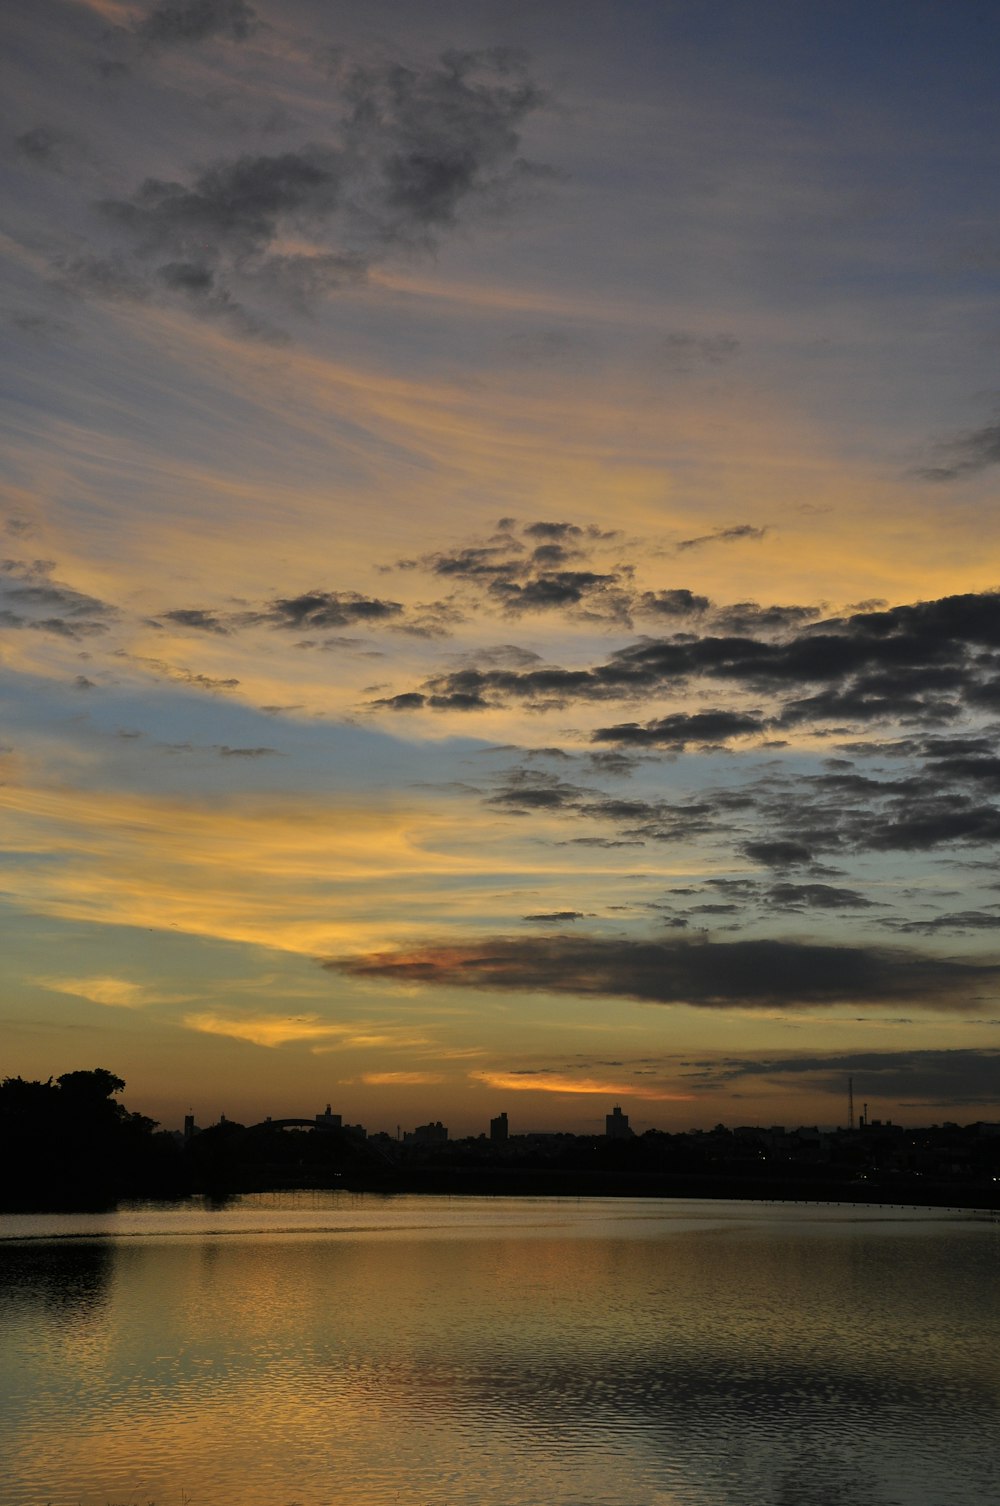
x: 700, y: 1364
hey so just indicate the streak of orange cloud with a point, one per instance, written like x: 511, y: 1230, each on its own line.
x: 400, y: 1079
x: 554, y: 1082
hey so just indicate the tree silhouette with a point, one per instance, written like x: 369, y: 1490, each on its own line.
x: 69, y: 1144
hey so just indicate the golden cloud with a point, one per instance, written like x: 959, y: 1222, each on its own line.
x: 281, y: 1029
x: 117, y: 993
x: 400, y: 1079
x: 555, y: 1082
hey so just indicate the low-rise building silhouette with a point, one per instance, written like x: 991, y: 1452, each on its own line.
x: 427, y: 1134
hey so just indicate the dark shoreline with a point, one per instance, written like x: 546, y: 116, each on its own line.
x: 70, y: 1147
x: 548, y: 1185
x: 501, y: 1182
x: 521, y: 1181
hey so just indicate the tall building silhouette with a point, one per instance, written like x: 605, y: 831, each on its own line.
x: 616, y: 1125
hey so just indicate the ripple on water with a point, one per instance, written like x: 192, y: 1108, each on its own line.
x: 527, y: 1354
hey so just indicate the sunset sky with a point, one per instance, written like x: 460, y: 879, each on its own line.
x: 498, y: 558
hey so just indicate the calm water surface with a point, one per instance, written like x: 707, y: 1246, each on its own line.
x: 338, y: 1350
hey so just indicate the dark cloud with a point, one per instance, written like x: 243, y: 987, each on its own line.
x: 750, y: 617
x: 613, y: 762
x: 601, y: 842
x: 723, y: 536
x: 316, y: 610
x: 301, y: 280
x: 413, y: 151
x: 765, y: 974
x: 31, y: 598
x: 200, y: 286
x: 489, y: 562
x: 43, y: 146
x: 183, y: 21
x: 457, y: 700
x: 531, y: 789
x: 560, y: 531
x: 107, y: 277
x: 816, y: 897
x: 43, y: 326
x: 181, y: 675
x: 506, y: 656
x: 212, y: 683
x: 962, y: 1075
x: 564, y: 588
x: 938, y: 822
x: 226, y: 752
x: 780, y: 854
x: 546, y: 566
x: 50, y: 594
x: 58, y: 627
x: 929, y: 806
x: 236, y: 206
x: 678, y: 731
x: 919, y: 663
x: 981, y: 771
x: 678, y: 602
x: 443, y: 134
x: 559, y: 754
x: 525, y: 791
x: 196, y: 618
x: 409, y: 700
x: 555, y: 917
x: 684, y: 351
x: 966, y: 454
x: 518, y: 580
x: 958, y: 923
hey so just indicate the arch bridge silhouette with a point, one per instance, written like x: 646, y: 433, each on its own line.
x: 334, y: 1131
x: 297, y: 1124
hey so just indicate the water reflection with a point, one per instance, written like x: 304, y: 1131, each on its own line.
x: 742, y: 1363
x: 67, y: 1281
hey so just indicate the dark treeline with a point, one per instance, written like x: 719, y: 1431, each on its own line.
x: 66, y: 1145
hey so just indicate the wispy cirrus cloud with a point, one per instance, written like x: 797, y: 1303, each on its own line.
x: 965, y: 454
x: 273, y: 1030
x: 736, y: 534
x: 115, y: 992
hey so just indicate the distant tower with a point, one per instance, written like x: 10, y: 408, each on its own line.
x: 498, y: 1129
x: 189, y: 1130
x: 850, y: 1103
x: 616, y: 1125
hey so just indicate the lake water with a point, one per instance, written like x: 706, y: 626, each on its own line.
x: 338, y: 1350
